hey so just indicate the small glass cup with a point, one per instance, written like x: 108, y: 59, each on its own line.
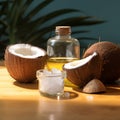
x: 51, y: 83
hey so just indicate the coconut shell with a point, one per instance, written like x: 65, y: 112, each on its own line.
x: 110, y: 60
x: 80, y: 76
x: 94, y: 86
x: 23, y: 69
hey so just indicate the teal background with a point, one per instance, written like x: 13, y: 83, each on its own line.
x: 108, y: 10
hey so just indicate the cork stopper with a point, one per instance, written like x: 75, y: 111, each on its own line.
x: 63, y: 30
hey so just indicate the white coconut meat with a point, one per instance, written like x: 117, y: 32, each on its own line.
x: 79, y: 63
x: 26, y: 51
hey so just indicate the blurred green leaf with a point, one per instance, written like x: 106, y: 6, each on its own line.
x: 20, y: 23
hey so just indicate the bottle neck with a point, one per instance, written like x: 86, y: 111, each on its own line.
x: 63, y: 35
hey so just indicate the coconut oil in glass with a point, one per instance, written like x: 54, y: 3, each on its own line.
x: 62, y: 49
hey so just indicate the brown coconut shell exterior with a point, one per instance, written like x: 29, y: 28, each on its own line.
x: 23, y: 69
x: 94, y: 86
x: 80, y: 76
x: 110, y: 60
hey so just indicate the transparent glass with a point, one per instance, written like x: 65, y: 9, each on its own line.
x: 62, y: 49
x: 51, y: 83
x: 63, y: 46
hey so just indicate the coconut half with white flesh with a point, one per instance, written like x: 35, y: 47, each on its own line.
x: 23, y: 60
x: 80, y: 72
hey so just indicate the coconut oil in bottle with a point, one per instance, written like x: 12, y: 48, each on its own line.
x: 62, y: 48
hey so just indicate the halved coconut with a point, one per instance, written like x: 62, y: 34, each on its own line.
x: 80, y: 72
x: 110, y: 60
x: 23, y: 60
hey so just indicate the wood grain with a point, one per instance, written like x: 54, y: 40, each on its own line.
x: 24, y: 102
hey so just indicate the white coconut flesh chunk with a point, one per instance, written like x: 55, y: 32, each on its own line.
x: 79, y: 63
x: 26, y: 51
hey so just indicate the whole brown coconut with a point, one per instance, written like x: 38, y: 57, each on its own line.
x: 110, y: 60
x: 23, y: 60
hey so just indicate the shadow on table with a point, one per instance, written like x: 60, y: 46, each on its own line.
x: 110, y: 89
x: 33, y: 85
x: 113, y: 89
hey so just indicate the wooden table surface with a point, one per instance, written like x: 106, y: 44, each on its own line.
x: 24, y: 102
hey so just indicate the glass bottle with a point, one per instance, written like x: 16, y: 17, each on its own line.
x: 62, y: 48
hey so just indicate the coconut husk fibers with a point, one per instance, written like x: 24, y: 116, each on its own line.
x: 23, y: 69
x: 110, y: 60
